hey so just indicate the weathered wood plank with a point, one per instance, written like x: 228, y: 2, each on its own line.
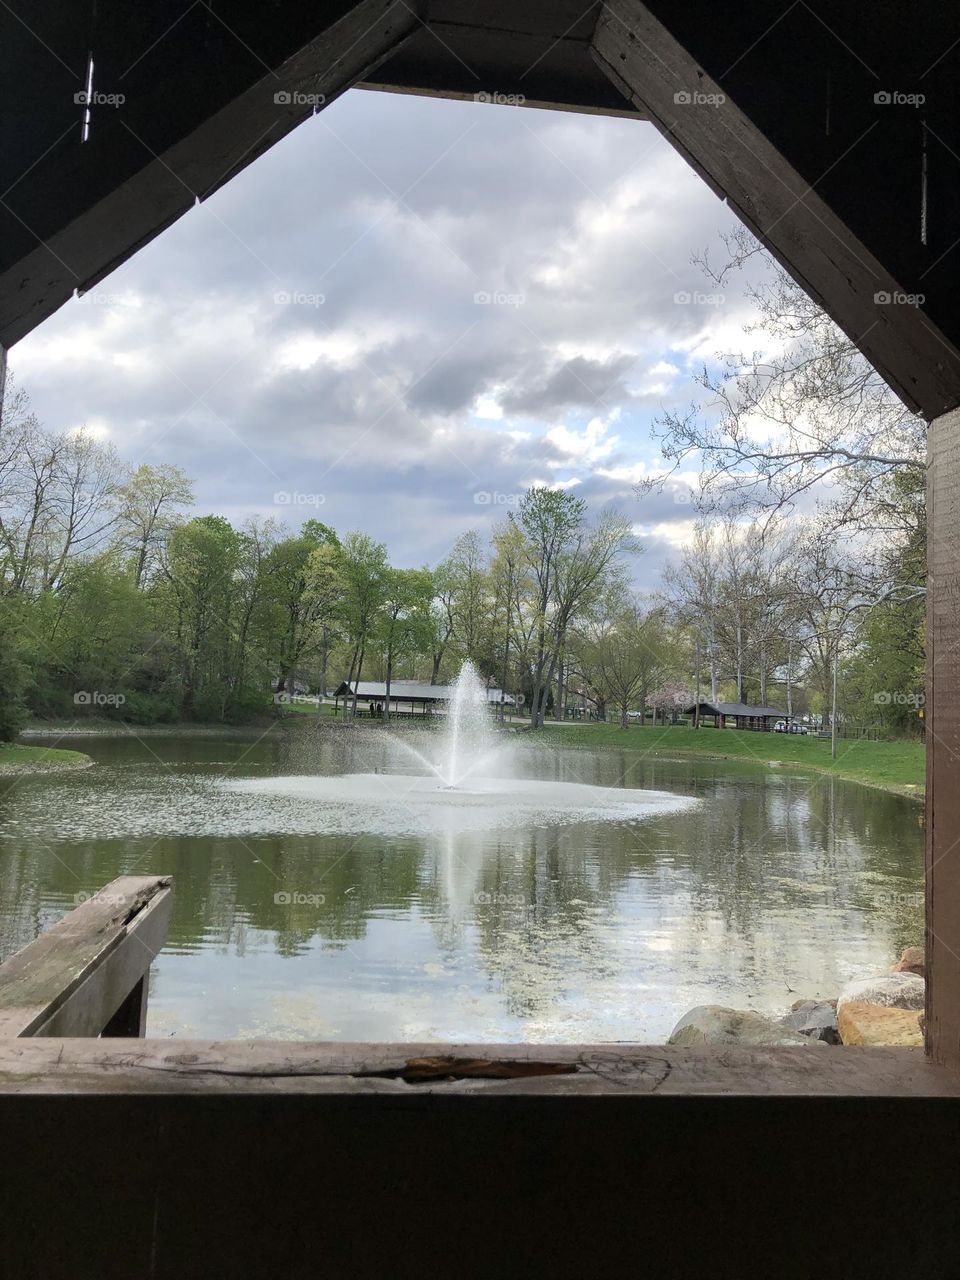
x: 943, y: 742
x: 75, y: 977
x: 81, y: 1066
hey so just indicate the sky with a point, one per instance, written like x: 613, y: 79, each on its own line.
x: 405, y: 314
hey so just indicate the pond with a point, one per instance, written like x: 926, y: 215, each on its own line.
x: 295, y: 917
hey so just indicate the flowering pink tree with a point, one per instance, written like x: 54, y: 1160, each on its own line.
x: 669, y: 700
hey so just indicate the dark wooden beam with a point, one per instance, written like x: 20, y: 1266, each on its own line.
x: 204, y: 94
x: 534, y: 53
x: 293, y: 1160
x: 740, y: 105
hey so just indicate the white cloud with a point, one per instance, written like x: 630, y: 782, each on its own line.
x: 398, y: 386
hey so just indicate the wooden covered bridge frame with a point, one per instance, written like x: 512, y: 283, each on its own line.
x: 833, y: 129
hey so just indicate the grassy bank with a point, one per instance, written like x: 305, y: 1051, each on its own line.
x: 892, y: 766
x: 15, y: 758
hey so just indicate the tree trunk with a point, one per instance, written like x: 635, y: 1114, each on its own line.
x: 353, y: 707
x: 386, y: 704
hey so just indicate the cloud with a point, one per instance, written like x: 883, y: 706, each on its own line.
x: 403, y: 303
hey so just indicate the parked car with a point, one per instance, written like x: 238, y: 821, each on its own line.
x: 785, y: 726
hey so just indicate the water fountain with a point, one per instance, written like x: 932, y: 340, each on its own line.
x: 469, y: 777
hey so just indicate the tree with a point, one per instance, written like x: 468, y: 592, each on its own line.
x: 466, y: 572
x: 570, y: 565
x: 148, y: 502
x: 294, y: 609
x: 363, y: 567
x: 202, y: 559
x: 405, y: 617
x: 442, y: 621
x: 621, y: 656
x: 810, y: 412
x: 13, y: 678
x: 510, y: 581
x: 325, y: 594
x: 670, y: 699
x: 57, y: 502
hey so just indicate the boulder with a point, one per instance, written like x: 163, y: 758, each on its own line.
x: 911, y: 961
x: 874, y: 1024
x: 814, y: 1018
x: 712, y: 1024
x: 806, y: 1000
x: 890, y: 991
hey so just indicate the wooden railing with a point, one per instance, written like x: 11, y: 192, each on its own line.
x: 88, y: 975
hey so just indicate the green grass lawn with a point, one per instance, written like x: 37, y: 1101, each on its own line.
x: 894, y: 766
x: 13, y: 756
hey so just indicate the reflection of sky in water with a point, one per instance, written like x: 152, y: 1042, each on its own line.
x: 474, y: 920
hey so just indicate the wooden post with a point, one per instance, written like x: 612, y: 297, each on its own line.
x: 943, y: 741
x: 88, y: 974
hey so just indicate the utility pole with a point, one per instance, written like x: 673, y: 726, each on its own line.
x: 833, y: 713
x: 789, y: 686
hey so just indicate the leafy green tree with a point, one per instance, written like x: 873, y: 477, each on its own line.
x: 404, y: 623
x: 363, y: 568
x: 292, y: 609
x: 13, y: 678
x: 203, y: 557
x: 148, y: 503
x: 571, y: 565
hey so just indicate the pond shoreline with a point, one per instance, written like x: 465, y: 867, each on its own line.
x: 17, y: 759
x: 580, y: 738
x: 604, y: 741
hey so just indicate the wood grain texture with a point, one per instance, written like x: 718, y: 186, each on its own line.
x: 71, y: 979
x: 78, y: 1066
x: 943, y: 742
